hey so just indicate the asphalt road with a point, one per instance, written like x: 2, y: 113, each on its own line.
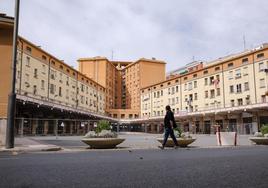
x: 224, y: 167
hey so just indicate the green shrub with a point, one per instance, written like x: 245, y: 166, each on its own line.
x: 177, y: 129
x: 264, y: 129
x: 102, y: 125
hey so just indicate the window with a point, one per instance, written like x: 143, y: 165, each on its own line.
x: 212, y: 93
x: 44, y: 69
x: 218, y: 91
x: 238, y: 73
x: 161, y: 92
x: 217, y: 68
x: 52, y: 88
x: 263, y: 98
x: 195, y: 96
x: 52, y: 74
x: 60, y: 94
x: 211, y: 80
x: 238, y: 88
x: 262, y: 83
x: 261, y: 66
x: 245, y: 61
x: 230, y: 76
x: 248, y: 99
x: 230, y: 65
x: 185, y: 78
x: 246, y: 86
x: 206, y: 94
x: 231, y: 89
x: 232, y: 103
x: 177, y: 100
x: 245, y: 71
x: 177, y: 89
x: 44, y: 58
x: 195, y: 84
x: 185, y: 86
x: 168, y: 90
x: 173, y: 90
x: 206, y: 81
x: 42, y: 84
x: 261, y: 55
x: 35, y: 73
x: 190, y: 86
x: 34, y: 89
x: 205, y: 72
x: 240, y: 102
x: 28, y: 61
x: 195, y: 75
x: 28, y: 49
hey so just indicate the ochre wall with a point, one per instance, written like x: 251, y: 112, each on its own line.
x: 6, y: 34
x: 151, y: 73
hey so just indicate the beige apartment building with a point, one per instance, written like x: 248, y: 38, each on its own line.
x: 230, y: 92
x: 49, y: 92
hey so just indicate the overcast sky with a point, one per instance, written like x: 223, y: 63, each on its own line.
x: 172, y: 30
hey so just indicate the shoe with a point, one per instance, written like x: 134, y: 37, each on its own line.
x: 161, y: 147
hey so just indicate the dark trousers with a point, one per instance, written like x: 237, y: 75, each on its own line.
x: 169, y: 131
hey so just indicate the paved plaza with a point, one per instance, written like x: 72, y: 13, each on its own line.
x: 135, y: 141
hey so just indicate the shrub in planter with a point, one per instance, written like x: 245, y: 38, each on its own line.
x: 264, y: 129
x: 103, y: 130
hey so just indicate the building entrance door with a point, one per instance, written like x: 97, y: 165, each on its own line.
x: 232, y: 125
x: 207, y: 127
x: 247, y: 123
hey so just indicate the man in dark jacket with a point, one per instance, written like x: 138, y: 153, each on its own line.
x: 169, y: 123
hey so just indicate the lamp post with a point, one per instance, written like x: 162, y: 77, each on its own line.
x: 12, y: 95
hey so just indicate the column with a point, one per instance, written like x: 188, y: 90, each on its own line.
x: 45, y: 127
x: 56, y: 128
x: 21, y: 125
x: 34, y: 126
x: 240, y: 125
x: 145, y: 128
x: 158, y: 127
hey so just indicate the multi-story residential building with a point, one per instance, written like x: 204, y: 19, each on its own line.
x: 49, y: 93
x: 230, y: 91
x: 123, y: 81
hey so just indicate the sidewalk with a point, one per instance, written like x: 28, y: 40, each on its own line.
x: 27, y: 144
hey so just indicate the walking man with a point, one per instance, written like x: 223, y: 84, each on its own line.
x: 169, y: 123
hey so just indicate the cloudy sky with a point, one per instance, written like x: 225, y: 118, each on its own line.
x: 176, y: 31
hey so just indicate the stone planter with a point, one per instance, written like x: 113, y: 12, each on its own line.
x: 103, y: 143
x: 259, y: 140
x: 181, y: 142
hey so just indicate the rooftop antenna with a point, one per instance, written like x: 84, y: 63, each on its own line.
x: 112, y: 54
x: 244, y: 41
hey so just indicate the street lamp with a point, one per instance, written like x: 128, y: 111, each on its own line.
x: 12, y: 95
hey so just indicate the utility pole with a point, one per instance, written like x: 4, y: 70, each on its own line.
x: 244, y: 41
x: 12, y: 95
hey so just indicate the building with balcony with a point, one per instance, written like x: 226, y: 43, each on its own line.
x: 230, y: 92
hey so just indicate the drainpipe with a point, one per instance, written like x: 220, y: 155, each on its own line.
x: 255, y: 89
x: 223, y: 90
x: 21, y: 56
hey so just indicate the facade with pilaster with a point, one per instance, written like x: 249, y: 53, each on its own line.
x: 230, y: 92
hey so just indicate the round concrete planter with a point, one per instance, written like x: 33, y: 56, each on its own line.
x: 181, y: 142
x: 259, y: 140
x: 103, y: 143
